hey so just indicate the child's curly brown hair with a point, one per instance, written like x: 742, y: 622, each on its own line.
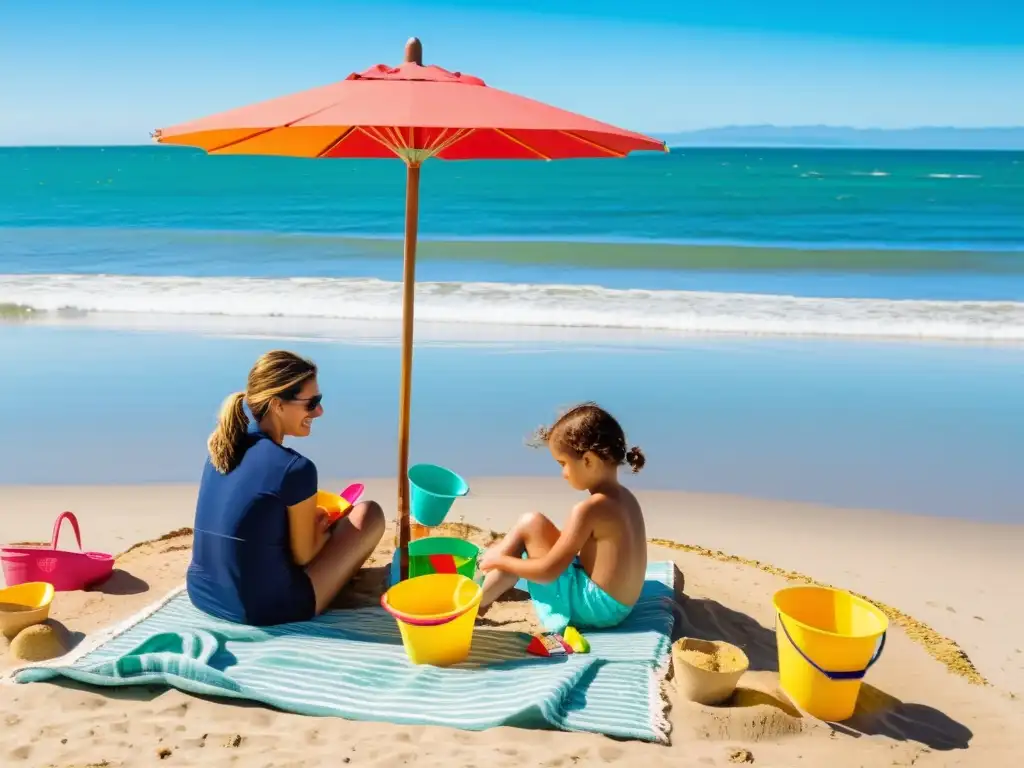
x: 588, y: 427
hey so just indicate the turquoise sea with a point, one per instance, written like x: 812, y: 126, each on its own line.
x: 749, y: 241
x: 827, y: 325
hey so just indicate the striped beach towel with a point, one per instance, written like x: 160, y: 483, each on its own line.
x: 351, y: 664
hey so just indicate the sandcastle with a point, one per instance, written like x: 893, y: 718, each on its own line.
x: 40, y: 642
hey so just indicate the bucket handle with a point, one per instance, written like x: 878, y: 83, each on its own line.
x: 70, y: 517
x: 418, y: 622
x: 835, y: 676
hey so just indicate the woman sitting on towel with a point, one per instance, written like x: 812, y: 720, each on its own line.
x: 264, y: 553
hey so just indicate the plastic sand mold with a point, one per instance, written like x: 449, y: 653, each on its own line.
x: 553, y: 644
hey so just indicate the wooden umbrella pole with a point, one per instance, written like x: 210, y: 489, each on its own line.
x: 412, y: 212
x: 413, y: 53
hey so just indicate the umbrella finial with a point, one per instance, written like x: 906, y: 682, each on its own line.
x: 414, y: 51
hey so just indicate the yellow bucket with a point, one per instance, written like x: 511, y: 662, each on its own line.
x: 435, y: 614
x: 24, y: 605
x: 828, y: 640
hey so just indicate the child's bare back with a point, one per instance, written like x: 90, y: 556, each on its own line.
x: 615, y: 555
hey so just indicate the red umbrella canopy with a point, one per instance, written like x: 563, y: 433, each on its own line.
x: 410, y: 111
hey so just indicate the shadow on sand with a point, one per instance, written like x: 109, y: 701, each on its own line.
x: 877, y: 713
x: 365, y: 589
x: 707, y: 619
x: 121, y: 583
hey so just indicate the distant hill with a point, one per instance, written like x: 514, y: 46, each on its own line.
x: 850, y: 138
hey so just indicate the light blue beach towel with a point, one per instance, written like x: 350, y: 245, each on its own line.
x: 351, y: 664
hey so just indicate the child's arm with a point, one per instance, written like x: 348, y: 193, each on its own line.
x: 543, y: 570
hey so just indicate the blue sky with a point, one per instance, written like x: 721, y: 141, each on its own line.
x: 109, y: 72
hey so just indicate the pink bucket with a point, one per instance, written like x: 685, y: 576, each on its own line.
x: 65, y: 570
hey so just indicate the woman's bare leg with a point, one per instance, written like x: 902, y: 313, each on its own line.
x: 535, y: 535
x: 354, y: 538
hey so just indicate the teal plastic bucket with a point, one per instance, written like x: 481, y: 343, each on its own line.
x: 432, y: 489
x: 442, y: 554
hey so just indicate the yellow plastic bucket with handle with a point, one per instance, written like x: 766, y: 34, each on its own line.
x: 435, y: 614
x: 828, y: 639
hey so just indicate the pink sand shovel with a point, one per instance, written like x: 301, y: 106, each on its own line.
x: 339, y: 505
x: 353, y: 493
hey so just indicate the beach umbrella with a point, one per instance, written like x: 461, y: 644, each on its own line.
x: 415, y: 113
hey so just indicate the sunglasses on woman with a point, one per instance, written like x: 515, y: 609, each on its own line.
x: 312, y: 403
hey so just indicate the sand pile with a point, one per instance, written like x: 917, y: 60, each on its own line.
x: 40, y: 642
x: 749, y: 715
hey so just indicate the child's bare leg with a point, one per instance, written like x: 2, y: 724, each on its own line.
x: 535, y: 535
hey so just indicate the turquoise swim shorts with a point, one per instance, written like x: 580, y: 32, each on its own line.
x: 574, y: 599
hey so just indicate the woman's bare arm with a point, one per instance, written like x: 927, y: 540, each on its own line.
x: 307, y: 535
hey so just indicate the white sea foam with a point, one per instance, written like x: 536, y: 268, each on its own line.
x: 953, y: 176
x: 506, y: 304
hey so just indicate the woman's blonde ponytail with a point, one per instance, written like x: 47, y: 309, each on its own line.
x: 227, y: 442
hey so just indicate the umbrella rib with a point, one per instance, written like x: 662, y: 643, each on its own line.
x: 372, y: 133
x: 334, y: 144
x: 521, y: 143
x: 441, y: 140
x: 244, y: 138
x: 455, y: 138
x: 397, y: 138
x: 289, y: 124
x: 391, y: 138
x: 594, y: 144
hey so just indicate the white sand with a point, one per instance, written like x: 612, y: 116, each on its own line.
x: 956, y: 580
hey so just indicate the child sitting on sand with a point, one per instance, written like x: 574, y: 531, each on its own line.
x: 590, y: 574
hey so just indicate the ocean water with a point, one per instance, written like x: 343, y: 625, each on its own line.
x: 891, y: 244
x: 926, y: 428
x: 715, y: 300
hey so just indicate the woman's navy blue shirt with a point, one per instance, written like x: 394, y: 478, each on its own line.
x: 242, y: 567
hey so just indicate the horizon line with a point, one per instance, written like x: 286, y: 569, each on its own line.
x: 656, y: 134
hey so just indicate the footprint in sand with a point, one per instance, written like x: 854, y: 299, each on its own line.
x: 21, y: 753
x: 610, y: 754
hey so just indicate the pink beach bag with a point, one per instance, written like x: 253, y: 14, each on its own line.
x: 65, y: 570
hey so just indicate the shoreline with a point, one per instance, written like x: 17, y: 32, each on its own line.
x: 851, y: 424
x: 386, y: 332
